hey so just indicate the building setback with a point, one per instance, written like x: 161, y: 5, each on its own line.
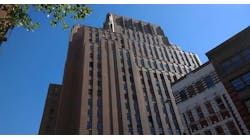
x: 231, y: 60
x: 205, y: 105
x: 117, y: 80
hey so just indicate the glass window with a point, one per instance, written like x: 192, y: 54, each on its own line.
x: 219, y: 130
x: 236, y: 61
x: 183, y: 95
x: 191, y: 90
x: 209, y: 107
x: 139, y: 129
x: 91, y: 64
x: 209, y: 81
x: 231, y: 127
x: 190, y: 116
x: 89, y: 101
x: 246, y: 78
x: 237, y: 84
x: 142, y: 62
x: 226, y: 66
x: 246, y: 54
x: 89, y: 126
x: 199, y: 86
x: 220, y: 103
x: 199, y: 112
x: 99, y: 125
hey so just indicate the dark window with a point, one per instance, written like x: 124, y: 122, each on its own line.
x: 91, y: 64
x: 99, y: 65
x: 193, y: 127
x: 89, y: 112
x: 89, y: 125
x: 139, y: 129
x: 199, y: 86
x: 166, y: 65
x: 209, y: 107
x: 99, y: 125
x: 99, y: 102
x: 183, y: 95
x: 231, y: 127
x: 99, y: 74
x: 128, y: 116
x: 89, y: 101
x: 209, y: 81
x: 124, y: 78
x: 161, y: 131
x: 236, y: 61
x: 226, y: 66
x: 191, y: 90
x: 246, y: 78
x: 199, y: 112
x: 190, y: 116
x: 220, y: 103
x: 219, y: 130
x: 246, y: 54
x: 148, y: 108
x: 238, y: 84
x: 126, y: 96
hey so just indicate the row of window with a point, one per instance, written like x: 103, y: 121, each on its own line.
x: 156, y: 109
x: 138, y: 26
x: 164, y: 53
x: 99, y: 91
x: 203, y: 119
x: 220, y: 131
x: 170, y: 55
x: 241, y: 82
x: 236, y: 61
x: 164, y: 66
x: 197, y: 87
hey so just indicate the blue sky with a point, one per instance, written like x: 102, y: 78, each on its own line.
x: 29, y: 61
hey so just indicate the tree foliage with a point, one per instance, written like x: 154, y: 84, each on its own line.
x: 18, y: 15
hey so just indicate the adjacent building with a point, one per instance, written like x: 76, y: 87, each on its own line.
x: 117, y: 80
x: 50, y: 112
x: 205, y: 105
x: 231, y: 61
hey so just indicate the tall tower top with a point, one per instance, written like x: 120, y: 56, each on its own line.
x: 117, y: 23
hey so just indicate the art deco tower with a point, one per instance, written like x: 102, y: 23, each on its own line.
x: 117, y: 81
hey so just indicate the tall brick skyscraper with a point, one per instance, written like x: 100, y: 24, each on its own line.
x: 117, y: 81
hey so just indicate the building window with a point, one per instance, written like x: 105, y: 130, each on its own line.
x: 220, y: 103
x: 190, y: 116
x: 209, y: 107
x: 91, y: 64
x: 236, y: 62
x: 183, y: 95
x: 89, y: 125
x: 238, y: 84
x: 199, y: 112
x: 246, y: 55
x: 231, y: 127
x: 219, y: 130
x: 199, y: 86
x: 209, y: 81
x: 193, y: 127
x: 142, y: 62
x: 191, y: 91
x: 246, y: 78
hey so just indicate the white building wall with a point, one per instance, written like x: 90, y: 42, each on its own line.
x: 209, y: 94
